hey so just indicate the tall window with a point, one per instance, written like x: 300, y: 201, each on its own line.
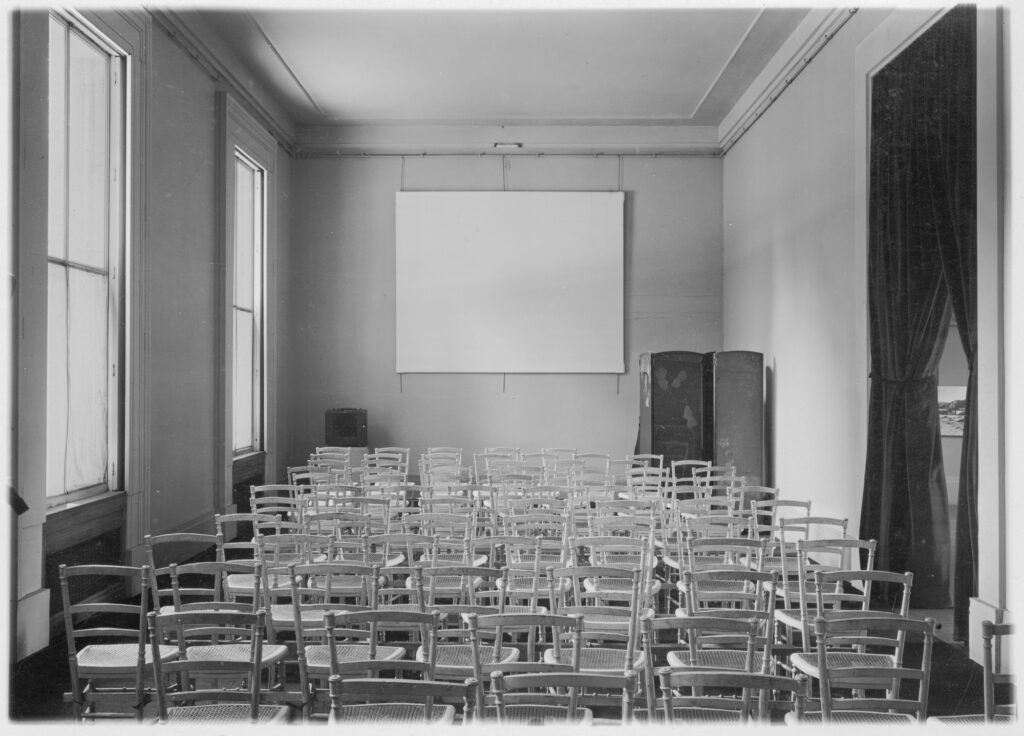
x: 247, y: 304
x: 86, y: 226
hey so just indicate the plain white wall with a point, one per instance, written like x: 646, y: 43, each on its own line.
x: 791, y: 286
x: 341, y: 314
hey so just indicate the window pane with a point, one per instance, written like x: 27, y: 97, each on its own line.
x: 88, y: 380
x: 56, y: 378
x: 243, y: 382
x: 88, y: 152
x: 245, y: 233
x: 57, y: 141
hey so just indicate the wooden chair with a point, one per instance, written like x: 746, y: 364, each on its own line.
x: 728, y: 594
x: 994, y: 674
x: 610, y: 632
x: 316, y: 589
x: 739, y: 697
x: 456, y: 656
x: 864, y: 654
x: 539, y: 629
x: 371, y: 627
x: 739, y: 633
x: 106, y: 642
x: 561, y: 697
x: 234, y: 651
x: 814, y: 556
x: 202, y: 587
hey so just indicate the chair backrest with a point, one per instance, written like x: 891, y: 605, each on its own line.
x: 573, y: 691
x: 598, y: 592
x: 888, y: 633
x: 793, y: 528
x: 733, y: 594
x: 646, y: 459
x: 176, y: 547
x: 813, y: 556
x: 242, y: 544
x: 557, y: 630
x: 747, y: 694
x: 203, y: 585
x: 766, y: 514
x: 743, y: 498
x: 853, y: 590
x: 595, y: 462
x: 220, y: 626
x: 681, y: 472
x: 440, y: 523
x: 709, y: 470
x: 463, y: 585
x: 994, y: 674
x: 704, y: 553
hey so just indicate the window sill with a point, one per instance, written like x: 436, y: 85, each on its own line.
x: 78, y: 521
x: 248, y: 466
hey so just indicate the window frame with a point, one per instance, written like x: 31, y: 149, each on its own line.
x: 259, y: 388
x: 117, y: 241
x: 238, y: 128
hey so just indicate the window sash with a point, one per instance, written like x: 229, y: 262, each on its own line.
x: 86, y: 244
x: 247, y: 304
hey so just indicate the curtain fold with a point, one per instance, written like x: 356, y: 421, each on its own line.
x: 952, y: 155
x: 920, y: 231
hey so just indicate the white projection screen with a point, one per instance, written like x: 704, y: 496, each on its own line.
x: 509, y: 282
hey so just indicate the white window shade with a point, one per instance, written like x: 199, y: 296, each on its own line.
x: 509, y: 282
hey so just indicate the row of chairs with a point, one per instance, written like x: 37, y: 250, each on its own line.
x: 496, y: 465
x: 200, y: 641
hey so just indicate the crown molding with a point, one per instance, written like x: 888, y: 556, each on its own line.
x: 347, y: 140
x: 203, y: 44
x: 810, y: 37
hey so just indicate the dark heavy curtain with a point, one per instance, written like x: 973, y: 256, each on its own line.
x: 952, y: 155
x: 918, y: 222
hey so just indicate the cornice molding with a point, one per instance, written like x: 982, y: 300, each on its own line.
x: 811, y: 36
x: 316, y: 141
x: 202, y: 44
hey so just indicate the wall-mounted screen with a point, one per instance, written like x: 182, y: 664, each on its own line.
x: 509, y: 282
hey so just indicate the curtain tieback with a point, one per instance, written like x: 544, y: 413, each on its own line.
x: 902, y: 381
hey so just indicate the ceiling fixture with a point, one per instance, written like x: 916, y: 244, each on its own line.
x: 508, y: 145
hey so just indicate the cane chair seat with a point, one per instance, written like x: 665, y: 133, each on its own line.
x: 114, y: 659
x: 808, y: 663
x: 618, y: 585
x: 970, y: 719
x: 456, y: 660
x: 705, y: 715
x: 540, y: 715
x: 318, y: 656
x: 597, y: 659
x: 283, y: 615
x: 716, y: 659
x: 272, y: 653
x: 855, y: 717
x: 395, y: 713
x: 227, y: 713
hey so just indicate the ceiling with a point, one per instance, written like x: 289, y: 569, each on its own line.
x: 336, y: 67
